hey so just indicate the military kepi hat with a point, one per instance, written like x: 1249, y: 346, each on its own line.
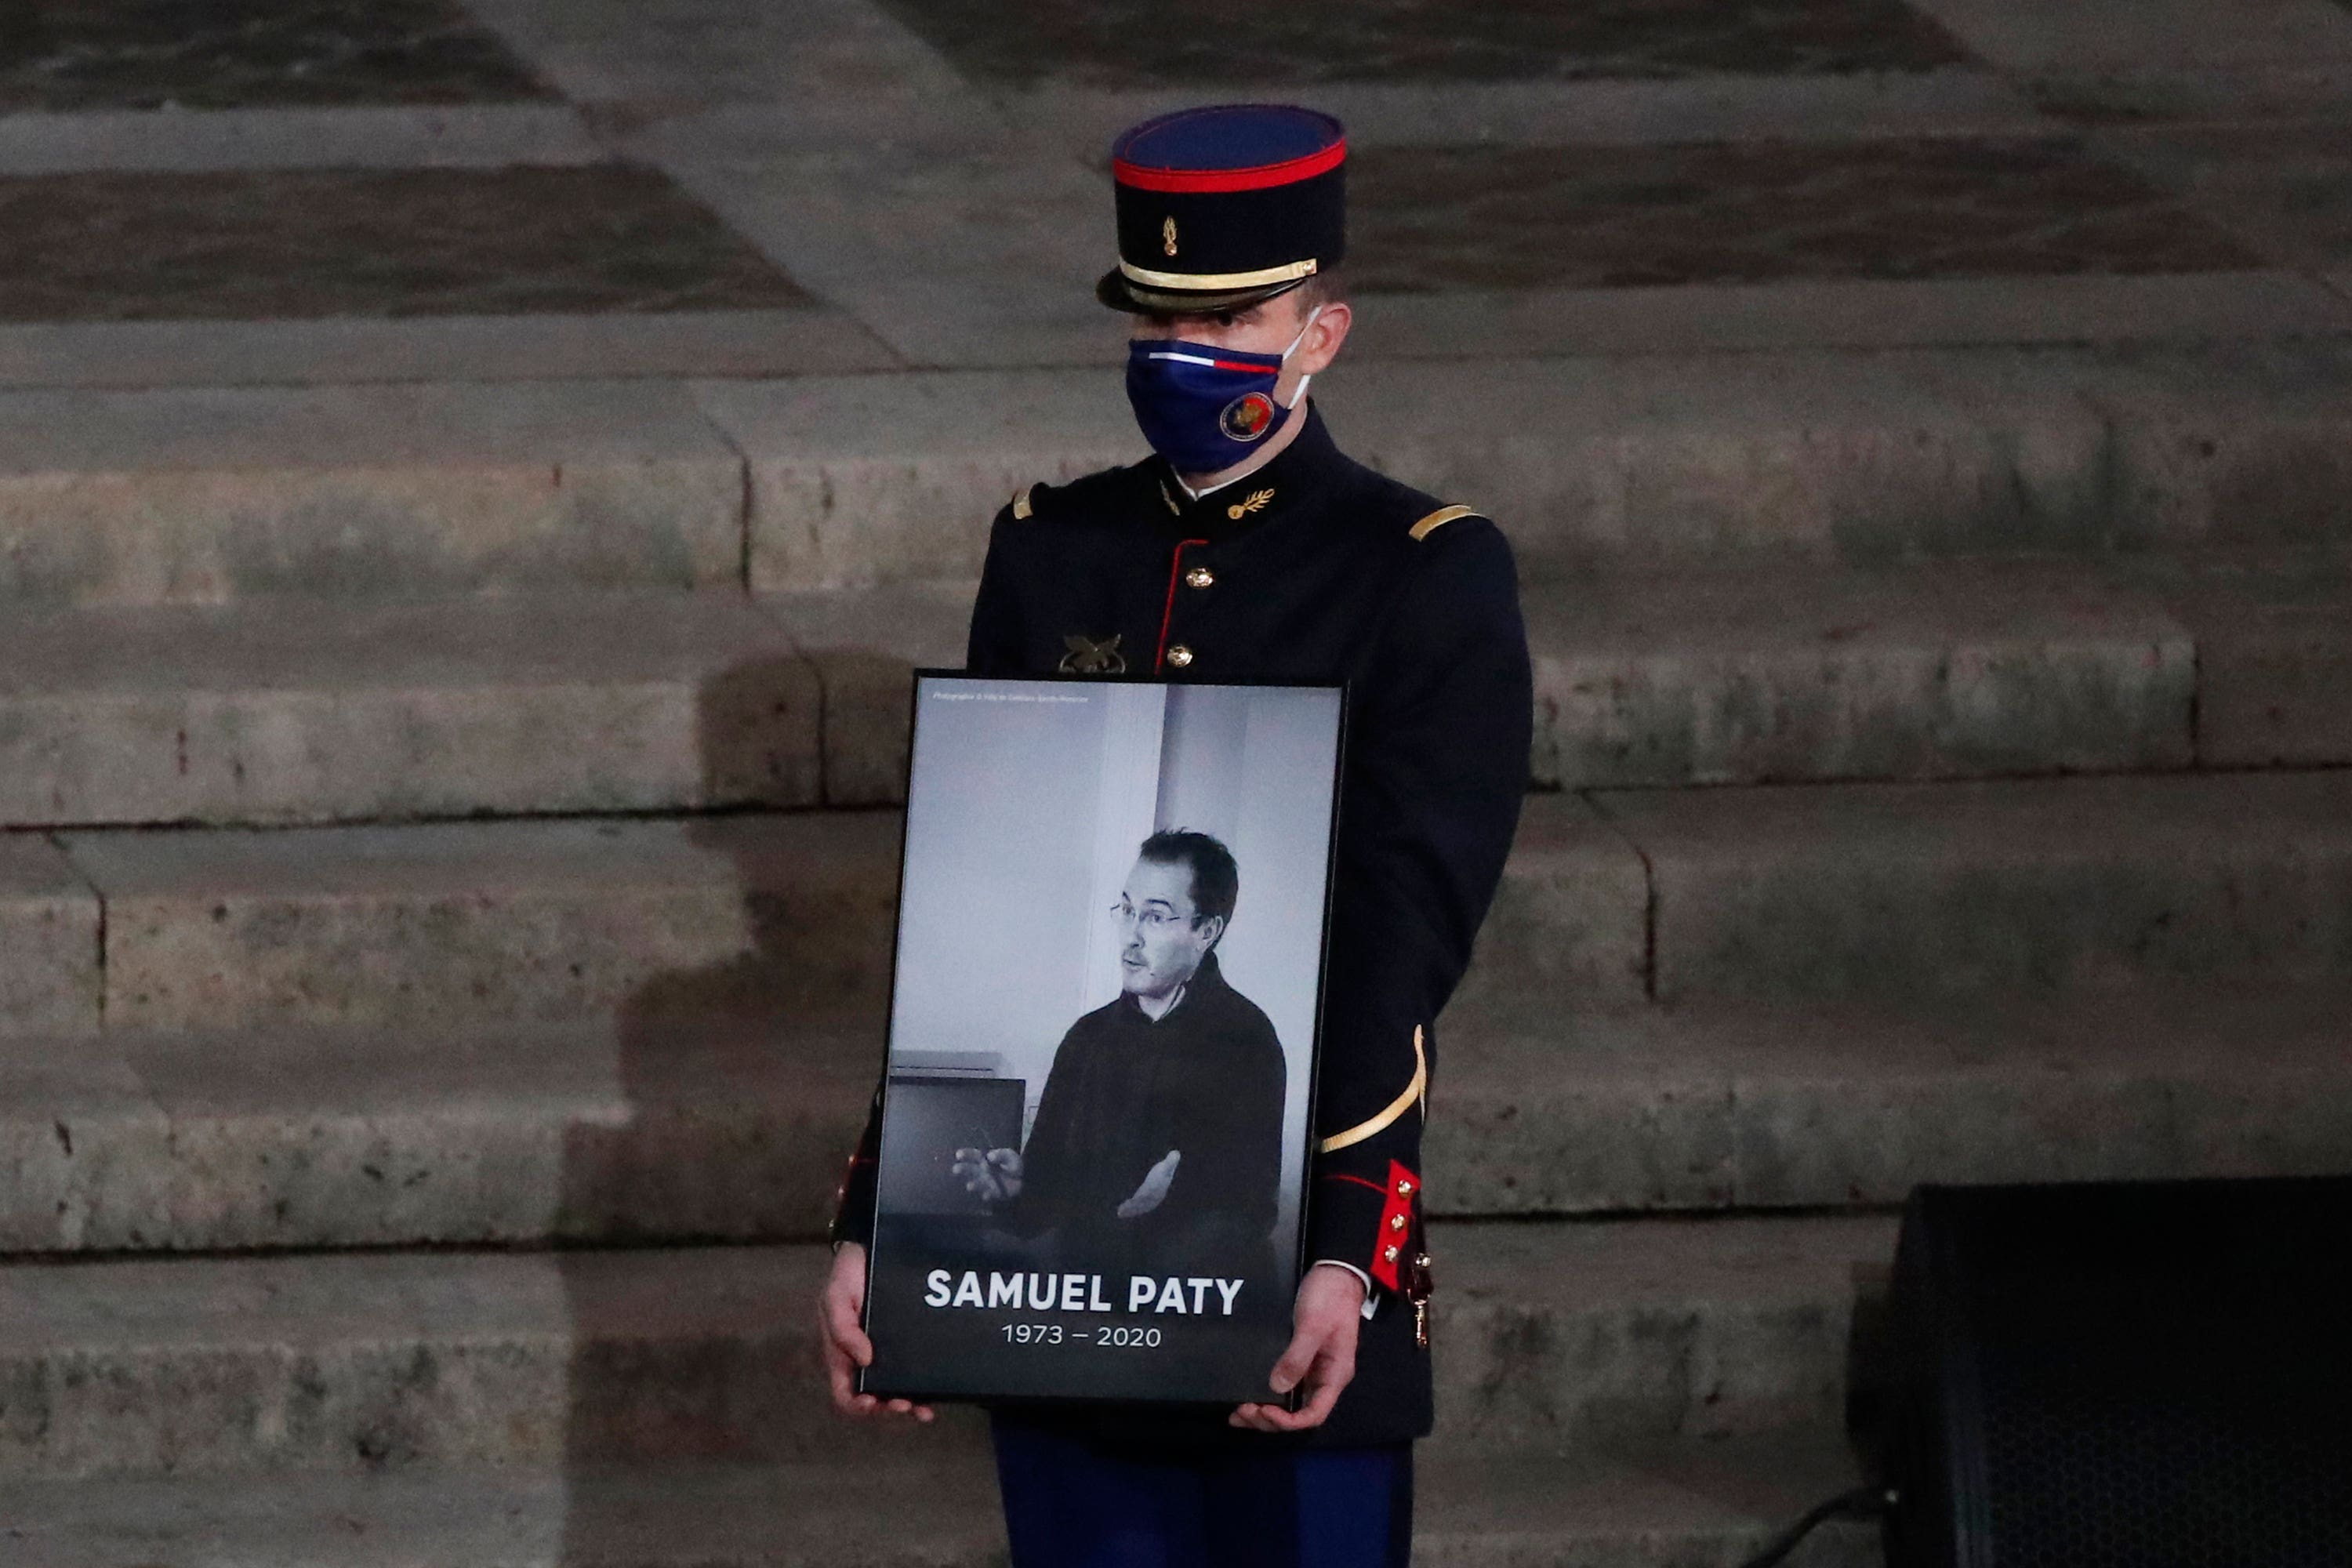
x: 1221, y: 207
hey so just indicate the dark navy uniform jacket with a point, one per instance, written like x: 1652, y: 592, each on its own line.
x: 1312, y: 570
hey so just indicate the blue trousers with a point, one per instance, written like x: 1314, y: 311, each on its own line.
x: 1069, y: 1504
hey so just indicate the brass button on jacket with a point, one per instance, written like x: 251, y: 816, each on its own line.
x: 1199, y: 577
x: 1180, y: 656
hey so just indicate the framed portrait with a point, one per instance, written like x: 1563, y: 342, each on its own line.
x: 1102, y: 1055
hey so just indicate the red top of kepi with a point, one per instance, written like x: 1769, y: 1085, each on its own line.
x: 1223, y: 206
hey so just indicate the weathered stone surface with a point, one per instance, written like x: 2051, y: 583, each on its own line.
x: 855, y: 483
x: 675, y: 1129
x: 1902, y: 890
x: 2274, y: 665
x: 1670, y: 459
x: 1424, y: 219
x: 86, y: 1160
x: 866, y: 647
x: 1572, y: 912
x: 257, y: 52
x: 1581, y: 1331
x: 1120, y: 44
x: 442, y: 925
x: 321, y: 710
x: 1646, y: 460
x: 1537, y: 1109
x: 1863, y: 315
x: 346, y: 350
x: 680, y: 1129
x: 1730, y: 1104
x: 2122, y: 34
x: 199, y: 495
x: 51, y: 978
x: 275, y: 244
x: 1645, y: 1506
x: 2248, y: 445
x: 386, y: 1362
x: 1808, y: 672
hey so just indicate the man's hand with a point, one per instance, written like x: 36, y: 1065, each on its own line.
x: 992, y: 1177
x: 1322, y: 1353
x: 1154, y: 1190
x: 846, y: 1347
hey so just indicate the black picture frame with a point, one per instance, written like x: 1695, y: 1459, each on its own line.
x: 1097, y: 1340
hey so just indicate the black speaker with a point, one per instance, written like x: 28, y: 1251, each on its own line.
x: 2123, y: 1375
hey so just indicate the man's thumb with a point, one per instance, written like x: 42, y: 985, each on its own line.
x: 1293, y: 1364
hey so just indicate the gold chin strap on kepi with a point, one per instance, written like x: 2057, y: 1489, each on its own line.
x: 1417, y: 1091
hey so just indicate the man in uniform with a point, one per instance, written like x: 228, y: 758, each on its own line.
x: 1249, y: 548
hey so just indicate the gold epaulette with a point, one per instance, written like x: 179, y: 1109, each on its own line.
x: 1417, y: 1090
x: 1021, y: 502
x: 1439, y: 519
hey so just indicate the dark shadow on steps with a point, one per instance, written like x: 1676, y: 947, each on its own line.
x: 735, y: 1089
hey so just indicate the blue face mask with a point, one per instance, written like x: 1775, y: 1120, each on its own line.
x: 1206, y: 408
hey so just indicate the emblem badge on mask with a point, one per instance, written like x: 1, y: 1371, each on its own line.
x: 1248, y: 416
x: 1089, y: 656
x: 1204, y: 406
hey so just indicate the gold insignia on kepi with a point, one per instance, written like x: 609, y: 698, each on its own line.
x: 1256, y: 502
x: 1168, y: 236
x: 1089, y: 657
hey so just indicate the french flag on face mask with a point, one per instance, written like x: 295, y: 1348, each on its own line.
x: 1203, y: 407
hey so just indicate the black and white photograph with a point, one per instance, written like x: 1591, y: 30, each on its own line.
x: 1110, y: 952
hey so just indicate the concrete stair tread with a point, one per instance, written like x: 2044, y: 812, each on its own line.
x: 1845, y: 889
x: 1903, y: 889
x: 1562, y: 1333
x: 720, y: 1127
x: 485, y: 921
x: 1691, y: 1501
x: 229, y: 1302
x: 1661, y: 457
x: 734, y: 1127
x: 472, y: 487
x: 309, y: 709
x: 1717, y: 1103
x: 199, y: 495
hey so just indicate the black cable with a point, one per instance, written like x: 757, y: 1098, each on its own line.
x: 1862, y: 1502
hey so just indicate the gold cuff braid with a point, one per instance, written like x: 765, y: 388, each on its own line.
x: 1418, y: 1090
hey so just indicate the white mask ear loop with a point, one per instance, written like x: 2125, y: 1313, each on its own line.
x: 1298, y: 395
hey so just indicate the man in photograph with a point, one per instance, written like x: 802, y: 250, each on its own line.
x: 1156, y: 1146
x: 1248, y: 547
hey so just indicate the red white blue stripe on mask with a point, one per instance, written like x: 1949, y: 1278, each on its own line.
x: 1203, y: 407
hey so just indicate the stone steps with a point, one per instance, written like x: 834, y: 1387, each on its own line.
x: 1669, y: 1506
x: 305, y: 711
x: 1897, y: 890
x: 449, y: 923
x: 695, y: 1130
x: 1619, y: 896
x: 1716, y: 1104
x: 200, y: 495
x: 1558, y: 1333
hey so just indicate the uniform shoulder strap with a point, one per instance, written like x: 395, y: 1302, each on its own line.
x: 1439, y: 519
x: 1021, y: 507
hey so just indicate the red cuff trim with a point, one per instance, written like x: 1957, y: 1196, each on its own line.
x: 1394, y: 1242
